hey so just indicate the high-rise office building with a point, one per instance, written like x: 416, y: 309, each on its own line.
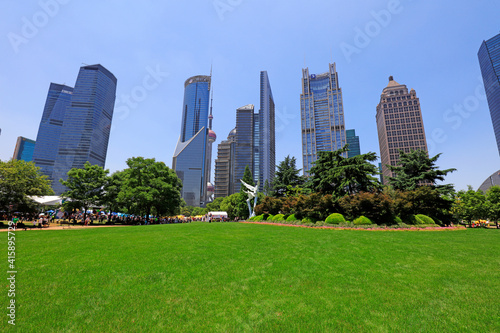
x: 191, y: 153
x: 49, y: 131
x: 247, y: 145
x: 322, y: 115
x: 399, y: 124
x: 87, y: 123
x: 265, y: 164
x: 75, y: 124
x: 353, y: 141
x: 489, y: 61
x: 224, y: 166
x: 24, y: 149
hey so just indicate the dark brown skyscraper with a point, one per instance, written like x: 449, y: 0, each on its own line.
x: 399, y: 124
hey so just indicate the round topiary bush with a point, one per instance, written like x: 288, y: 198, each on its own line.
x: 258, y: 218
x: 291, y: 218
x: 425, y: 219
x: 308, y: 220
x: 278, y: 218
x: 362, y: 220
x: 414, y: 219
x: 335, y: 218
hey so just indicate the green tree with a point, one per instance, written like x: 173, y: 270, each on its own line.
x: 417, y: 169
x: 19, y: 180
x: 214, y: 206
x: 287, y: 175
x: 148, y: 184
x: 338, y: 175
x: 86, y: 186
x: 267, y: 188
x: 493, y: 203
x: 112, y: 189
x: 470, y: 205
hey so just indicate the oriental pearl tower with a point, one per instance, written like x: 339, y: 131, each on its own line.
x: 211, y: 139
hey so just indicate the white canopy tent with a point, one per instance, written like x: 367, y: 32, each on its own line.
x: 49, y: 200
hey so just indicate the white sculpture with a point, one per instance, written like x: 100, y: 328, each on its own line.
x: 252, y: 194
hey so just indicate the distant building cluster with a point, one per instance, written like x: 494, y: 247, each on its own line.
x: 76, y: 122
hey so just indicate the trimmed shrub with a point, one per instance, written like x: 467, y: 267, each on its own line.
x: 292, y: 218
x: 307, y: 220
x: 425, y: 219
x: 415, y: 220
x: 362, y: 220
x: 270, y: 218
x: 378, y: 207
x: 258, y: 218
x: 398, y: 220
x: 279, y: 218
x: 335, y: 218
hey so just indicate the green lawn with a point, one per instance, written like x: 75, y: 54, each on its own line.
x: 231, y: 277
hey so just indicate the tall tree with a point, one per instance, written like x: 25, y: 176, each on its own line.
x: 18, y: 180
x: 86, y: 186
x: 493, y: 203
x: 417, y: 169
x: 149, y: 184
x: 470, y: 205
x: 286, y: 175
x: 335, y: 174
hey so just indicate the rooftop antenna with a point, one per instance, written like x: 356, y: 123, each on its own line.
x: 210, y: 117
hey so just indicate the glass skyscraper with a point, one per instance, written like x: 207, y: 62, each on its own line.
x: 322, y: 115
x: 49, y: 131
x: 264, y: 134
x: 489, y: 61
x: 24, y: 149
x: 76, y: 124
x: 247, y: 145
x: 190, y: 156
x: 353, y: 142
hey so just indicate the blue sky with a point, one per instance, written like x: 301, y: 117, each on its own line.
x: 430, y: 46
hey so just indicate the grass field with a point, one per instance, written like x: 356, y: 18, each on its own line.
x: 232, y: 277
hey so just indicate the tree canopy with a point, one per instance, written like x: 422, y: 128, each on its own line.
x: 18, y: 180
x: 86, y: 186
x: 470, y: 205
x: 417, y: 169
x: 286, y: 175
x: 148, y: 184
x: 335, y: 174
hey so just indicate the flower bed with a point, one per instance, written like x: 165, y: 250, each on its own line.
x: 370, y: 228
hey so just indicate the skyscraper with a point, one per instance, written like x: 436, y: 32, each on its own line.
x: 322, y: 115
x: 489, y: 61
x: 75, y: 124
x: 399, y: 124
x: 265, y: 164
x: 247, y: 145
x: 353, y: 142
x: 191, y: 153
x: 24, y: 149
x: 224, y: 166
x: 49, y: 131
x: 87, y: 123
